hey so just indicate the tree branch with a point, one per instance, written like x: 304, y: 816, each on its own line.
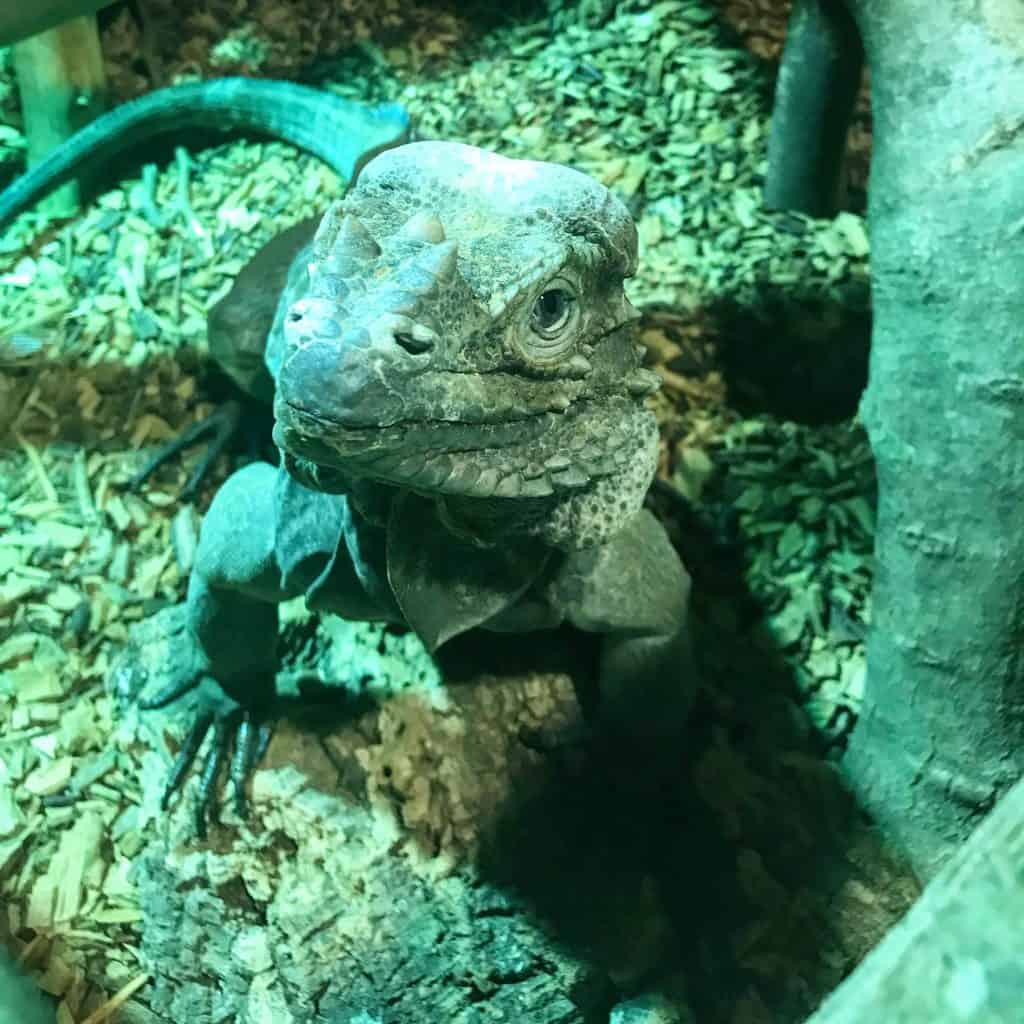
x: 956, y: 955
x: 814, y: 97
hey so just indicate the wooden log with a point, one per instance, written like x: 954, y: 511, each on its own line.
x: 958, y: 955
x: 63, y: 87
x: 446, y: 855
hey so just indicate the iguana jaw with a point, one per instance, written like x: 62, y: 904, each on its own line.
x: 530, y: 457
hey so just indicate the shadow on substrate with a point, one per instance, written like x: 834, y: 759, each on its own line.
x: 793, y: 356
x: 705, y: 854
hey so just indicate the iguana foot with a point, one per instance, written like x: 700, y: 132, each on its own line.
x: 238, y: 731
x: 222, y: 426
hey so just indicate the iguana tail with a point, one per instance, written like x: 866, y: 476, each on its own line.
x: 344, y: 133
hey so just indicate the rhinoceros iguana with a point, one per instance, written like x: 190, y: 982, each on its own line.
x: 459, y: 405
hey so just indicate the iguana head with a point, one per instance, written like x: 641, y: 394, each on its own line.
x: 464, y: 332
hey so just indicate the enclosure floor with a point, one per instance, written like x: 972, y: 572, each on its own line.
x: 757, y: 323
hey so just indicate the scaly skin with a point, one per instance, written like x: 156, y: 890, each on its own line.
x: 20, y: 1000
x: 459, y: 407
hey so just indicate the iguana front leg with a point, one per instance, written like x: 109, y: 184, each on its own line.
x: 635, y: 592
x: 230, y: 641
x: 265, y: 539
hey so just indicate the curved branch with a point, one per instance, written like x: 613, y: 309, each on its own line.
x: 814, y: 97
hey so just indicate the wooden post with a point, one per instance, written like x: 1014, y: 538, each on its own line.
x: 63, y: 87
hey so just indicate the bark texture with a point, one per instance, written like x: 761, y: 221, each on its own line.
x: 418, y: 858
x: 942, y: 730
x: 815, y: 94
x: 956, y: 956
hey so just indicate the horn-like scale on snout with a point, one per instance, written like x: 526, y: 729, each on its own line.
x: 356, y: 344
x: 342, y: 244
x: 424, y: 227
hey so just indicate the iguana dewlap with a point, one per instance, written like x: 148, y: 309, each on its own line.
x: 459, y: 407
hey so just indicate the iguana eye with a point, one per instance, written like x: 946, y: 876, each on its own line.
x: 552, y: 312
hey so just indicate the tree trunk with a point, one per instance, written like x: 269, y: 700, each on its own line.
x: 940, y: 736
x: 956, y: 956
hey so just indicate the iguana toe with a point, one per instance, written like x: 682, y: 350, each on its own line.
x: 240, y: 738
x: 243, y: 733
x: 252, y: 738
x: 221, y: 426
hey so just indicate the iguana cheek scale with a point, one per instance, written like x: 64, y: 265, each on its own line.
x: 459, y: 408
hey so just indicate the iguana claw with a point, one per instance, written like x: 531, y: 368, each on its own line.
x: 222, y: 425
x: 251, y: 742
x: 237, y: 730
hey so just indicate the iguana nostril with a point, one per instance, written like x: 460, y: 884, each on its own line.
x: 312, y: 318
x: 413, y: 345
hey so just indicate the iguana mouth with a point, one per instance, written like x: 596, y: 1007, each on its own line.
x: 533, y: 456
x: 367, y: 392
x: 382, y: 448
x: 395, y: 432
